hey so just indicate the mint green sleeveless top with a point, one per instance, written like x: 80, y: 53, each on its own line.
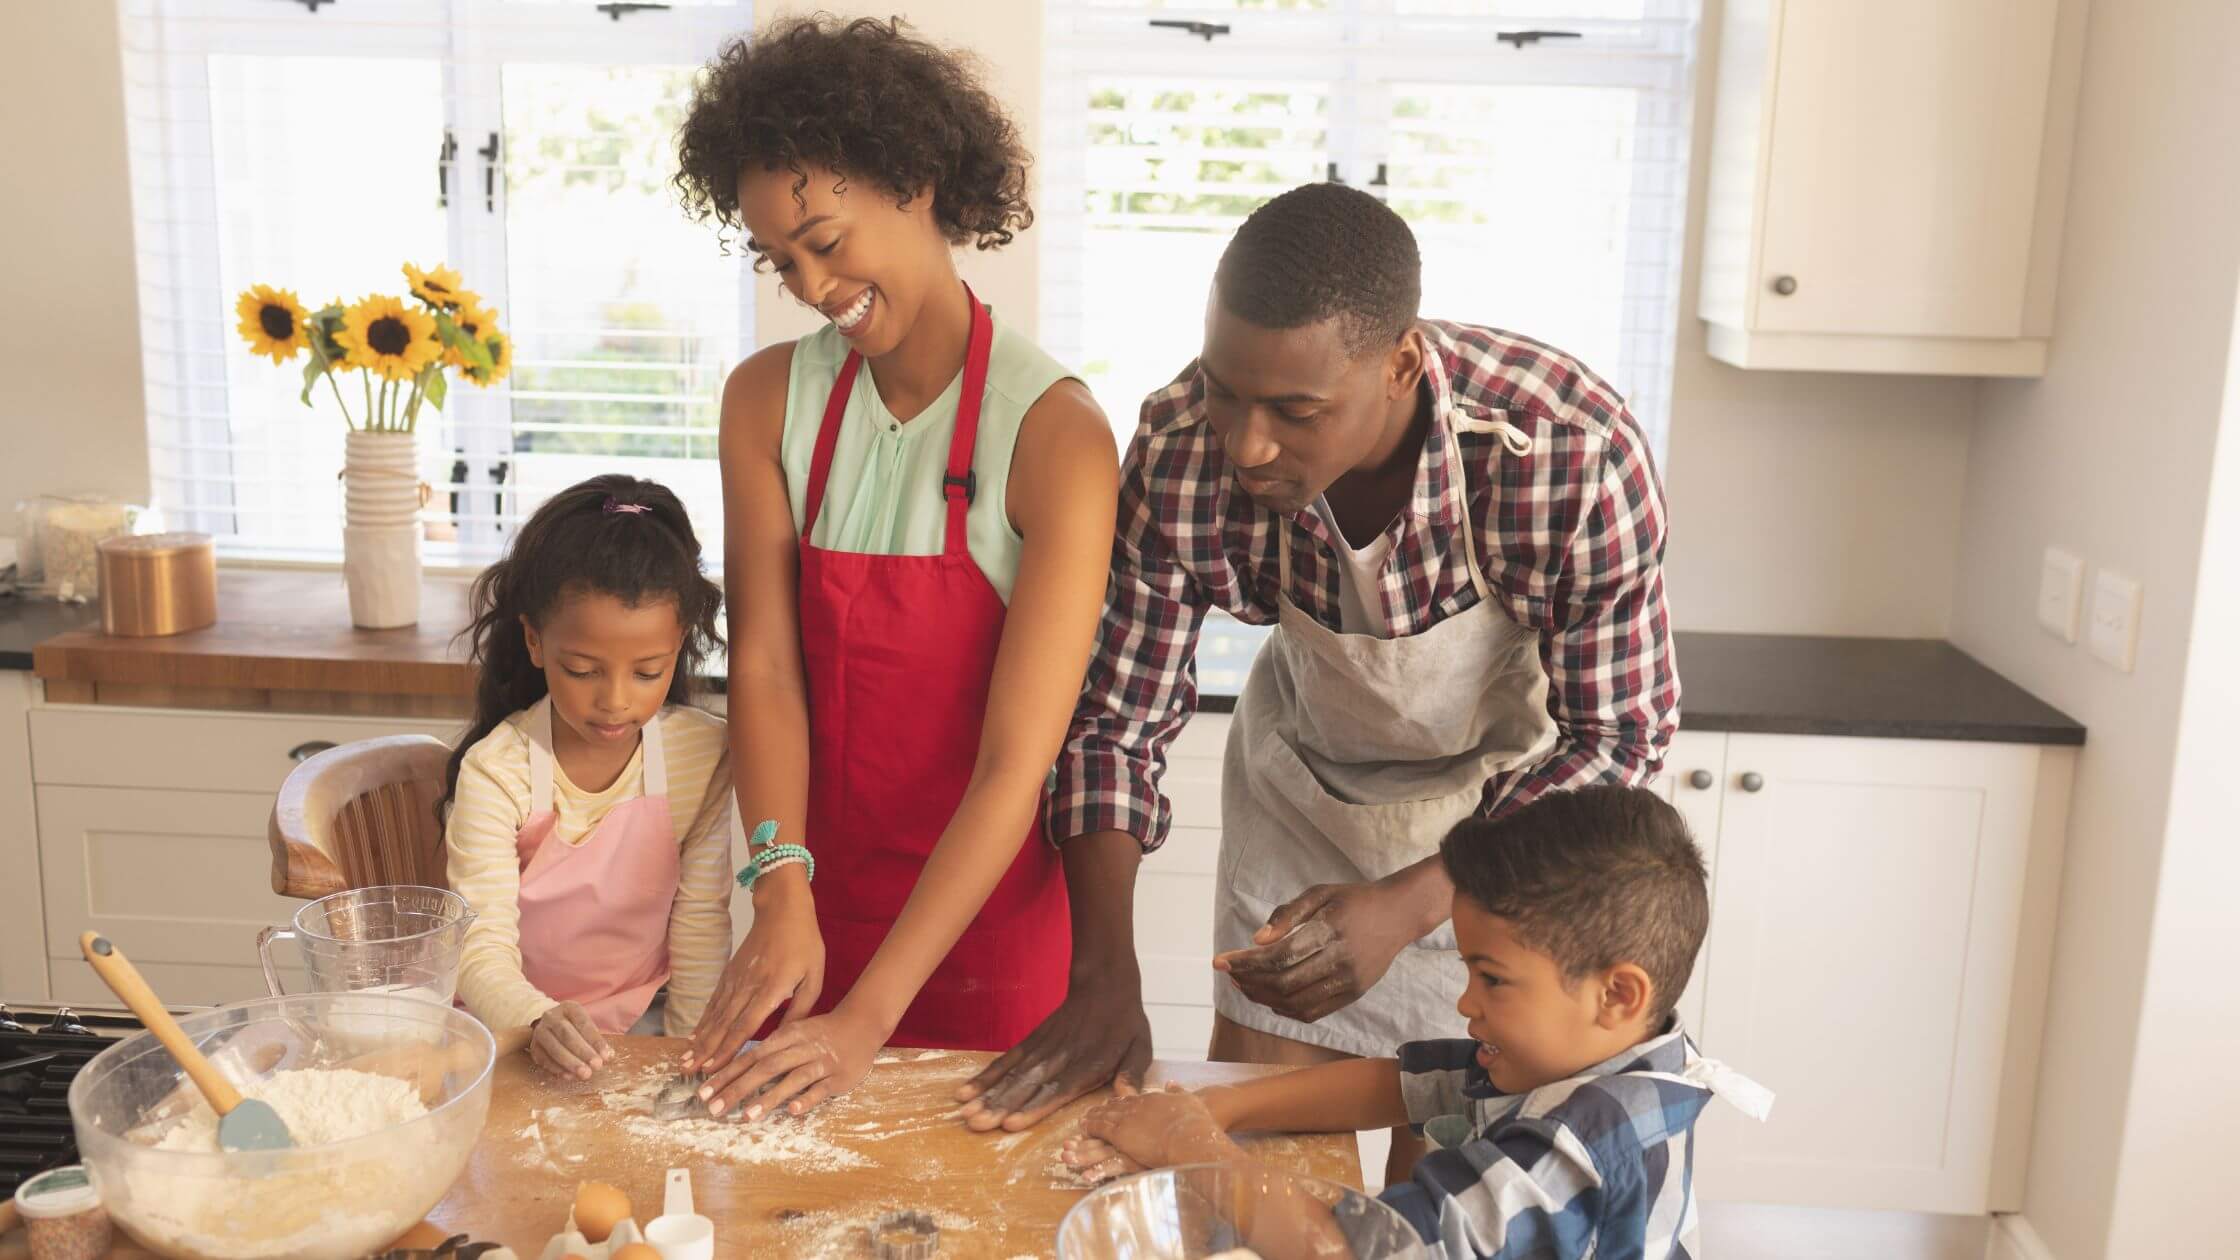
x: 883, y: 495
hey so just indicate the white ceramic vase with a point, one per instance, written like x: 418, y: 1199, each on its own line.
x: 381, y: 529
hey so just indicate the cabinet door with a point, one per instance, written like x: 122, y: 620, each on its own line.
x: 1692, y: 780
x: 1902, y: 175
x: 1868, y: 908
x: 172, y: 877
x: 1174, y: 895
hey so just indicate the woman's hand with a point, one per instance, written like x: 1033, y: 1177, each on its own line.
x: 565, y: 1042
x: 781, y: 963
x: 799, y: 1066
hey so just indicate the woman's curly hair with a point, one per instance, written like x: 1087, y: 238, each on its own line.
x: 867, y: 99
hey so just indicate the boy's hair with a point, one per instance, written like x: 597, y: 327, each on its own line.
x: 1324, y: 251
x: 577, y: 543
x: 1592, y: 878
x: 868, y: 100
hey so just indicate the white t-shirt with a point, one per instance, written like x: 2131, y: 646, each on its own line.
x: 1360, y: 607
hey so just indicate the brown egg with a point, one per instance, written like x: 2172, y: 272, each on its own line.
x: 599, y: 1208
x: 421, y: 1237
x: 637, y: 1251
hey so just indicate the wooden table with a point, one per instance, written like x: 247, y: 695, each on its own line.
x: 996, y: 1197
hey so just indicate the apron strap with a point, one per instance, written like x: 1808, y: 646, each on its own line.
x: 655, y: 780
x: 961, y: 485
x: 540, y: 757
x: 828, y: 438
x: 1513, y: 440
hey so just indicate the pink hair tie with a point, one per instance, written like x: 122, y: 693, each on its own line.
x: 613, y: 506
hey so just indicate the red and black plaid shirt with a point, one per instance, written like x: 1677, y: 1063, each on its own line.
x: 1572, y: 542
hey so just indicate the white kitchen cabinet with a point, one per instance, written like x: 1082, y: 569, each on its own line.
x: 1174, y: 895
x: 151, y: 828
x: 1887, y: 183
x: 1881, y: 928
x: 1692, y: 778
x: 23, y: 952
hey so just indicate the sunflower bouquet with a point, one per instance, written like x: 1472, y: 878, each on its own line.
x: 398, y: 348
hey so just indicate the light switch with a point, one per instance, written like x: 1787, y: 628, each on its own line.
x: 2060, y: 593
x: 2114, y: 634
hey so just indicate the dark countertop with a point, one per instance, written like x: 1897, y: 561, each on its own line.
x: 25, y: 622
x: 1771, y: 684
x: 284, y: 629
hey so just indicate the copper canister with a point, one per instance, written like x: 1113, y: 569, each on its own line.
x: 155, y: 584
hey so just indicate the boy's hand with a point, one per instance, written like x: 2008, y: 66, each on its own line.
x: 1169, y: 1126
x: 1095, y: 1160
x: 565, y: 1042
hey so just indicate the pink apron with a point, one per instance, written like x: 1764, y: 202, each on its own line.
x: 595, y: 915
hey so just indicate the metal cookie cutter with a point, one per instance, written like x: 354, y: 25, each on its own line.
x: 905, y: 1236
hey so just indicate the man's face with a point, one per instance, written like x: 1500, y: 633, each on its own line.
x: 1293, y: 410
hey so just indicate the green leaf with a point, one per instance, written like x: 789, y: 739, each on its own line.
x: 435, y: 389
x: 312, y: 371
x: 477, y: 355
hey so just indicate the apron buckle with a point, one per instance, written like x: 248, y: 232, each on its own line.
x: 969, y: 483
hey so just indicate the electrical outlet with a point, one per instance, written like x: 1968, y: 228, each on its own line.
x: 2060, y: 593
x: 2116, y: 601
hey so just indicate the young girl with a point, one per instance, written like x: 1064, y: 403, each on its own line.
x: 919, y: 510
x: 589, y: 820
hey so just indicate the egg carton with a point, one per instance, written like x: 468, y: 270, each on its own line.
x: 571, y: 1242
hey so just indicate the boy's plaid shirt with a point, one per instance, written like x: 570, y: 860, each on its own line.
x: 1571, y: 538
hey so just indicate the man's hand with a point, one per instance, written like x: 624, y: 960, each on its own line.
x: 1319, y: 952
x: 1098, y: 1036
x: 781, y: 961
x: 565, y: 1042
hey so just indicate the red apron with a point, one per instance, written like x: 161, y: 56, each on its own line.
x: 898, y: 652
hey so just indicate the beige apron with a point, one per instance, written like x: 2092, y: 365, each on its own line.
x: 1350, y: 757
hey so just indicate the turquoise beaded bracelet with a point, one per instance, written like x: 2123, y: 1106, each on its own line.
x: 772, y: 856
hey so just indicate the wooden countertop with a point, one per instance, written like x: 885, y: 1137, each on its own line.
x: 279, y: 630
x: 807, y: 1188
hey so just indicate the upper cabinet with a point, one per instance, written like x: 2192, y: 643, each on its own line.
x: 1887, y: 181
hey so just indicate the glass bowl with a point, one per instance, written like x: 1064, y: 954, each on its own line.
x: 329, y: 1201
x: 1199, y: 1211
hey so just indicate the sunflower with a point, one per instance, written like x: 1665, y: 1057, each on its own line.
x: 439, y: 286
x: 272, y: 322
x: 386, y: 337
x: 500, y: 347
x: 475, y: 322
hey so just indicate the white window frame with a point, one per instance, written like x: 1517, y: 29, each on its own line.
x: 186, y: 316
x: 1361, y: 47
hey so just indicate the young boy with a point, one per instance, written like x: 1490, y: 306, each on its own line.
x: 1565, y: 1127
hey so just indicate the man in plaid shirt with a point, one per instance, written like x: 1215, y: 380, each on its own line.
x: 1460, y: 535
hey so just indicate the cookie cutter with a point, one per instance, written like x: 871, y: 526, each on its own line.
x: 905, y: 1236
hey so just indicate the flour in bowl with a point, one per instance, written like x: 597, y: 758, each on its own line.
x: 318, y: 1105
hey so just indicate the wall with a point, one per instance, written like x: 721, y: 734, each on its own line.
x: 72, y: 413
x: 1805, y: 503
x: 2110, y: 456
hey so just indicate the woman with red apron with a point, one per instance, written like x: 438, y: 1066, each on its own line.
x: 919, y: 509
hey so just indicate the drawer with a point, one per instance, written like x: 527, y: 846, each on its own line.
x: 178, y: 984
x: 172, y: 877
x: 92, y: 746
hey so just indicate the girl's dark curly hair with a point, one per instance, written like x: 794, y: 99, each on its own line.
x: 867, y: 99
x: 578, y: 543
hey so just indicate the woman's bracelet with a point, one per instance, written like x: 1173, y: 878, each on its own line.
x: 764, y: 857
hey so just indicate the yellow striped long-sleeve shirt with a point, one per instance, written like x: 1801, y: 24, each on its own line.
x: 492, y: 802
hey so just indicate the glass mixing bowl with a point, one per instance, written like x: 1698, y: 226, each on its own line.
x: 1199, y: 1211
x: 330, y: 1201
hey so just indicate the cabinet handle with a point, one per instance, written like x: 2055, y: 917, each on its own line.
x: 1752, y: 781
x: 308, y: 749
x: 1700, y: 780
x: 1783, y: 286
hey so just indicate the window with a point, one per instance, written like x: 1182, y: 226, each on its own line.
x: 528, y: 143
x: 1538, y: 148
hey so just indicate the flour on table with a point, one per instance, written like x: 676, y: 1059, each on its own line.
x: 847, y: 1235
x: 798, y: 1141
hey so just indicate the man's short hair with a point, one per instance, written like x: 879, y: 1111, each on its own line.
x: 1324, y: 251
